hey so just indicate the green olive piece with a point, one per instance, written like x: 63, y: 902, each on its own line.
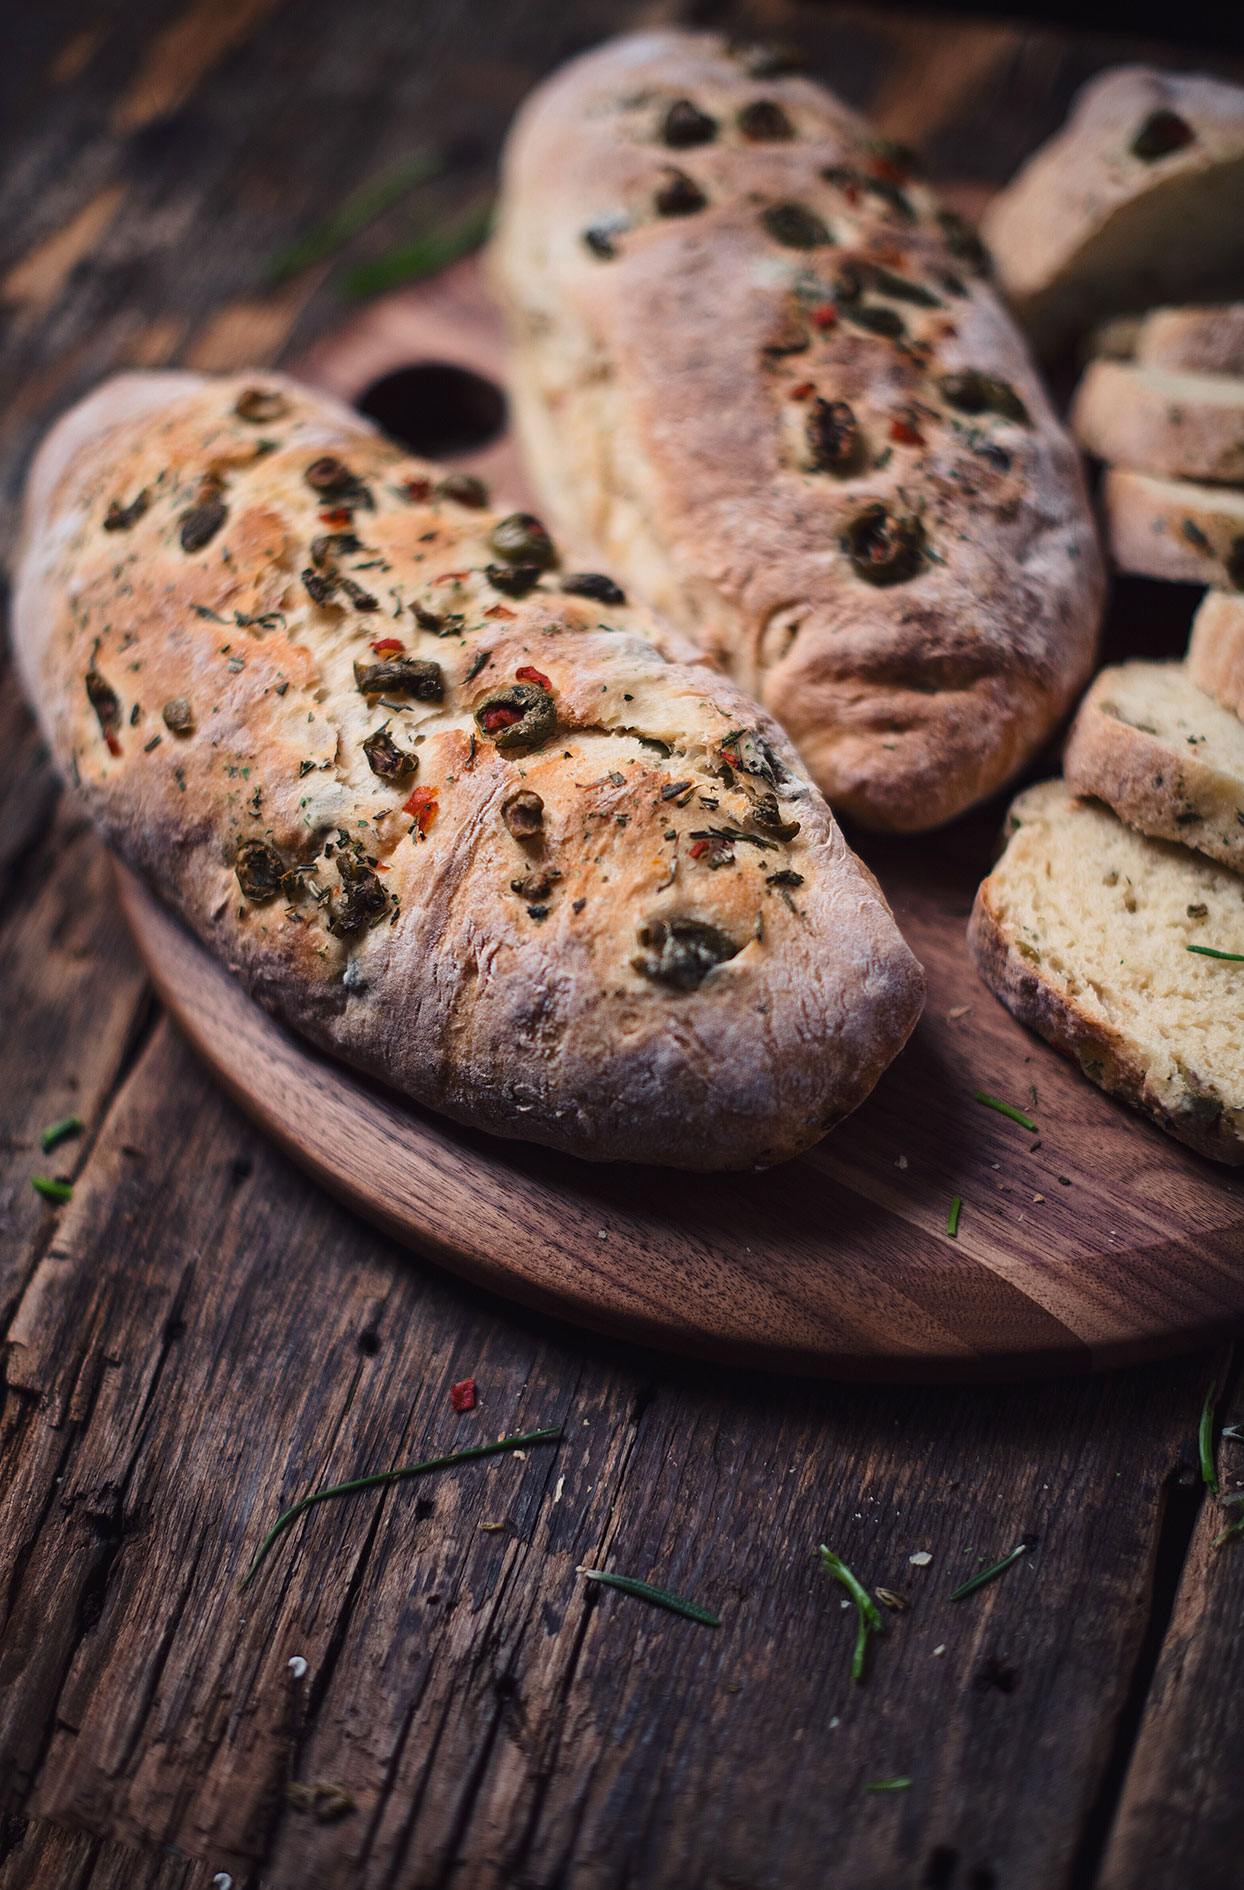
x: 521, y: 539
x: 260, y: 870
x: 681, y: 952
x: 521, y: 716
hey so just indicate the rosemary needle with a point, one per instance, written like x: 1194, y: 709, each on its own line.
x: 367, y: 203
x: 410, y: 262
x: 866, y: 1608
x: 952, y: 1219
x: 1005, y: 1109
x: 987, y: 1574
x: 646, y: 1591
x: 393, y: 1476
x: 1208, y: 951
x: 1205, y: 1442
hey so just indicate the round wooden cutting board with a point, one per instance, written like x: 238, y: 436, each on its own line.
x: 1093, y: 1241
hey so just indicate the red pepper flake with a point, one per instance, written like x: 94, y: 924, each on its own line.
x: 527, y: 674
x: 700, y: 847
x: 803, y: 391
x: 114, y: 746
x: 339, y: 515
x: 887, y: 170
x: 903, y: 433
x: 826, y: 316
x: 388, y: 646
x: 490, y: 720
x: 421, y: 806
x: 452, y: 577
x: 462, y: 1395
x: 381, y: 867
x: 498, y: 610
x: 418, y: 488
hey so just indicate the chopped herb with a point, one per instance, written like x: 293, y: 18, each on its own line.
x: 1005, y: 1109
x: 434, y: 250
x: 363, y: 901
x: 865, y: 1607
x: 645, y: 1591
x: 363, y: 207
x: 887, y: 1785
x: 283, y: 1522
x: 987, y: 1574
x: 60, y: 1132
x: 1208, y: 951
x: 50, y: 1189
x: 1232, y: 1529
x: 1205, y: 1440
x: 952, y: 1219
x: 673, y: 789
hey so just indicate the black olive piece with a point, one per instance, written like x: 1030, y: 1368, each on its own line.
x: 401, y: 676
x: 260, y: 870
x: 319, y: 587
x: 883, y: 188
x: 537, y: 884
x: 428, y: 620
x: 886, y: 322
x: 973, y: 392
x: 682, y: 952
x: 106, y: 703
x: 537, y: 716
x: 601, y: 244
x: 767, y: 814
x: 201, y: 524
x: 334, y: 545
x: 523, y: 814
x: 833, y: 435
x: 260, y: 404
x: 329, y: 476
x: 884, y: 549
x: 595, y: 585
x: 679, y: 196
x: 520, y: 538
x: 1234, y: 563
x: 361, y: 599
x: 885, y: 282
x: 119, y: 518
x: 514, y: 579
x: 178, y: 716
x: 785, y: 878
x: 1161, y: 133
x: 685, y: 124
x: 764, y: 122
x: 386, y: 759
x: 962, y: 241
x: 463, y: 489
x: 795, y: 226
x: 363, y: 900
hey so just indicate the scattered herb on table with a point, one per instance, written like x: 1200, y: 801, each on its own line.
x: 952, y: 1219
x: 1205, y: 1442
x: 393, y: 1476
x: 434, y: 250
x: 50, y: 1189
x: 987, y: 1574
x: 1005, y: 1109
x: 366, y: 204
x: 865, y: 1607
x: 1208, y: 951
x: 645, y: 1591
x: 887, y: 1785
x: 60, y: 1132
x: 1232, y: 1529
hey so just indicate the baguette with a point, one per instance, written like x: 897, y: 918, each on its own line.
x: 1216, y: 648
x: 757, y: 370
x: 1171, y: 528
x: 449, y: 811
x: 1164, y: 755
x: 1139, y: 199
x: 1083, y: 931
x: 1201, y: 340
x: 1162, y: 420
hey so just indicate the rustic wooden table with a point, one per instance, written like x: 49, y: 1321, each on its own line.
x: 201, y: 1335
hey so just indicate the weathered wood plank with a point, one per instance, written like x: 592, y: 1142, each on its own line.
x: 38, y: 1856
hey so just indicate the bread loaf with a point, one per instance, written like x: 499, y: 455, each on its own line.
x: 1201, y: 340
x: 1139, y: 199
x: 1162, y: 420
x: 1216, y: 648
x: 1171, y: 528
x: 1164, y: 755
x: 443, y: 804
x: 1086, y: 931
x: 758, y: 371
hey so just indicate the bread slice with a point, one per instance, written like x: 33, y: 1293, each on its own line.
x: 1164, y: 755
x: 447, y: 805
x: 1201, y: 340
x: 1170, y: 528
x: 1215, y: 658
x: 1162, y: 420
x: 1083, y: 930
x: 1139, y: 199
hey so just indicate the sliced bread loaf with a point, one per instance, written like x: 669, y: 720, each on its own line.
x: 1215, y: 658
x: 1164, y: 755
x: 1086, y: 931
x: 1170, y: 528
x: 1162, y: 420
x: 1204, y: 340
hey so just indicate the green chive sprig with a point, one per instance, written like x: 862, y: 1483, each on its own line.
x: 1005, y: 1109
x: 987, y: 1574
x: 60, y: 1132
x: 867, y: 1611
x: 1208, y: 951
x: 51, y: 1189
x: 283, y: 1522
x: 647, y: 1591
x: 887, y: 1785
x: 952, y: 1219
x: 411, y: 262
x: 1205, y: 1442
x: 367, y: 203
x: 1232, y: 1529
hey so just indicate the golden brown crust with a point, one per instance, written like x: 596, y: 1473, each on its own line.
x: 190, y: 614
x: 667, y: 375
